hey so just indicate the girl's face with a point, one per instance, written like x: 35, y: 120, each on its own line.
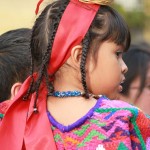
x: 143, y: 101
x: 105, y: 74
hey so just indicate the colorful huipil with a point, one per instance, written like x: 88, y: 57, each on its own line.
x: 109, y: 125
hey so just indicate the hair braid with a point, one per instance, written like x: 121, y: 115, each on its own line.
x: 47, y: 55
x: 53, y: 16
x: 31, y: 69
x: 41, y: 73
x: 49, y: 84
x: 85, y: 43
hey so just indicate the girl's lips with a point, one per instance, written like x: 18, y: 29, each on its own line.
x: 120, y: 88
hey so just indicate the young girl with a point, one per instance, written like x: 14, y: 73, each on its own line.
x: 77, y: 51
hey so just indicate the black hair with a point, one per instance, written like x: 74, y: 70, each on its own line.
x: 138, y: 60
x: 14, y: 59
x: 107, y: 25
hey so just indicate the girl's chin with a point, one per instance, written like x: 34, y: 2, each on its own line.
x: 114, y: 96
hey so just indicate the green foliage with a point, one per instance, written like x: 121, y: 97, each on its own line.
x: 136, y: 19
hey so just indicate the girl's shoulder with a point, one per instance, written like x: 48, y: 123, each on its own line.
x: 139, y: 123
x: 115, y: 105
x: 120, y: 108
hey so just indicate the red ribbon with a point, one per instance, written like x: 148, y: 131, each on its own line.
x: 38, y: 6
x: 72, y: 28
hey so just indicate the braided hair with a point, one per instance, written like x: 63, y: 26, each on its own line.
x: 107, y: 25
x: 42, y: 38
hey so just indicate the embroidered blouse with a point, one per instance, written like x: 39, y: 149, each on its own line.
x: 109, y: 125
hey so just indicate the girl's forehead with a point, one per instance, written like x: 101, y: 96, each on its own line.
x: 121, y: 46
x: 117, y: 46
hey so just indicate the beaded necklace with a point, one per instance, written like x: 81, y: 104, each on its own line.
x: 70, y: 94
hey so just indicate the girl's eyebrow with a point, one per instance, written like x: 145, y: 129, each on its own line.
x: 120, y: 48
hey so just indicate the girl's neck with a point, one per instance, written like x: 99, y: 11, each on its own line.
x: 68, y: 82
x: 61, y: 108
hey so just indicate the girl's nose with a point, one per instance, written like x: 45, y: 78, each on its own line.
x: 124, y: 67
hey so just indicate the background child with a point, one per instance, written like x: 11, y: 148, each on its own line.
x: 14, y: 61
x: 80, y: 49
x: 136, y: 88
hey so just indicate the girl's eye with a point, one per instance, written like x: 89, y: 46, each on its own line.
x: 119, y: 54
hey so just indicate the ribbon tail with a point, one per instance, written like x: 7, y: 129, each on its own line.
x: 38, y: 6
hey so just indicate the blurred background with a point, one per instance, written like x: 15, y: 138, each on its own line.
x: 21, y: 13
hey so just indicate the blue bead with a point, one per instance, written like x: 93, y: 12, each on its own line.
x: 69, y: 93
x: 73, y: 93
x: 66, y: 93
x: 57, y: 93
x: 63, y: 94
x: 79, y: 93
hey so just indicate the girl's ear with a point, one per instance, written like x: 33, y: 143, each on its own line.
x: 15, y: 89
x: 75, y: 57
